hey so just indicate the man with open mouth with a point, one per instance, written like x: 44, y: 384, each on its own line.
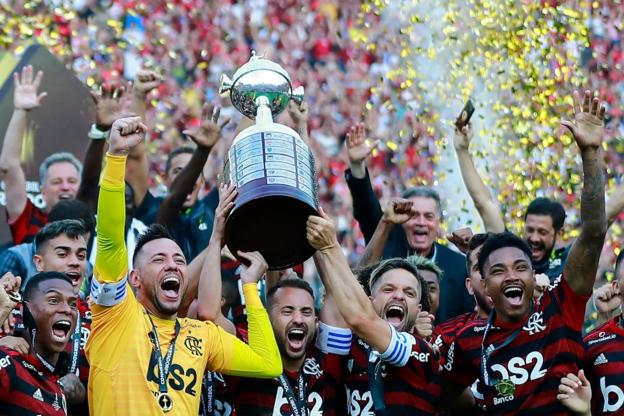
x: 30, y: 380
x: 310, y: 382
x: 144, y: 359
x: 390, y: 371
x: 525, y: 348
x: 61, y: 247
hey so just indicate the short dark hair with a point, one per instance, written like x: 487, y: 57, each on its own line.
x: 475, y: 242
x: 362, y: 273
x: 178, y: 151
x: 399, y: 263
x: 33, y: 283
x: 545, y: 206
x: 71, y: 228
x: 295, y: 283
x: 425, y: 192
x: 153, y: 232
x: 73, y: 210
x: 502, y: 240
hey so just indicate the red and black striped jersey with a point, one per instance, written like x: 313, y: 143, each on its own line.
x: 27, y: 387
x: 411, y: 389
x: 265, y: 397
x: 81, y: 364
x: 444, y: 334
x: 604, y: 367
x: 547, y: 346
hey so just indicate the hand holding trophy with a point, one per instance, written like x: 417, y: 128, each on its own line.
x: 272, y: 168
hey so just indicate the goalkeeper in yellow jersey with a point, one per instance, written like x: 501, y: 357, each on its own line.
x: 144, y: 360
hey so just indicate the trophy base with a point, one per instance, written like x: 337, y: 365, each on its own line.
x: 275, y: 226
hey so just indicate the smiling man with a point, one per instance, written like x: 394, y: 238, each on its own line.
x: 524, y: 349
x: 61, y: 247
x: 29, y: 381
x: 390, y: 371
x: 413, y: 231
x: 144, y: 359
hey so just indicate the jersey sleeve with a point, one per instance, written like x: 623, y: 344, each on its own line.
x: 261, y: 357
x: 7, y: 372
x: 109, y: 285
x: 398, y: 352
x: 571, y: 304
x: 333, y: 340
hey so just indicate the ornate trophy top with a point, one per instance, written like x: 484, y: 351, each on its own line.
x: 260, y: 77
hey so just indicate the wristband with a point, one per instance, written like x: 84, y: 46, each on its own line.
x: 97, y: 134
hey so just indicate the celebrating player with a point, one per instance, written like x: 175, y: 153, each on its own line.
x: 408, y: 384
x: 29, y: 381
x: 604, y: 347
x: 144, y: 360
x: 523, y: 350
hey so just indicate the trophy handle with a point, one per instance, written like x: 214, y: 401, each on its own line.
x: 297, y: 95
x: 225, y: 85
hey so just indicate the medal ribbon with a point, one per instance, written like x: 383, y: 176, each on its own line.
x: 75, y: 352
x: 298, y: 405
x: 374, y: 384
x: 207, y: 399
x: 487, y: 352
x: 163, y: 365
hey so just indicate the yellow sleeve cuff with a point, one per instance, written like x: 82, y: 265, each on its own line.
x: 252, y: 297
x: 114, y: 172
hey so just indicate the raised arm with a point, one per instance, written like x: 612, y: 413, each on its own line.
x: 366, y: 208
x: 353, y: 304
x: 25, y: 98
x: 109, y: 106
x: 111, y: 264
x: 137, y: 167
x: 205, y: 136
x: 395, y: 211
x: 615, y: 204
x: 486, y: 206
x: 587, y: 129
x: 261, y: 358
x: 209, y: 292
x: 299, y: 116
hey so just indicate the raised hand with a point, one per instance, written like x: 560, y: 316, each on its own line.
x: 209, y: 132
x: 126, y: 133
x: 8, y: 284
x: 461, y: 238
x: 424, y: 324
x: 575, y: 393
x: 227, y: 195
x: 607, y: 299
x: 298, y: 113
x: 257, y: 267
x: 110, y: 105
x: 18, y: 344
x: 321, y: 232
x: 357, y: 147
x: 463, y: 137
x: 25, y: 96
x: 397, y: 210
x: 145, y: 81
x: 588, y: 124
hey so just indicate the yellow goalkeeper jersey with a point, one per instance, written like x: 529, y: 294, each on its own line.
x: 124, y: 376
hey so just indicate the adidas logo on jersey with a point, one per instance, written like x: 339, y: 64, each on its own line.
x: 601, y: 359
x: 37, y: 395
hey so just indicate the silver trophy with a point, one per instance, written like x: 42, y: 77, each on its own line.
x: 272, y: 167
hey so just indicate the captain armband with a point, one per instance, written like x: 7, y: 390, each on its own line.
x: 108, y: 294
